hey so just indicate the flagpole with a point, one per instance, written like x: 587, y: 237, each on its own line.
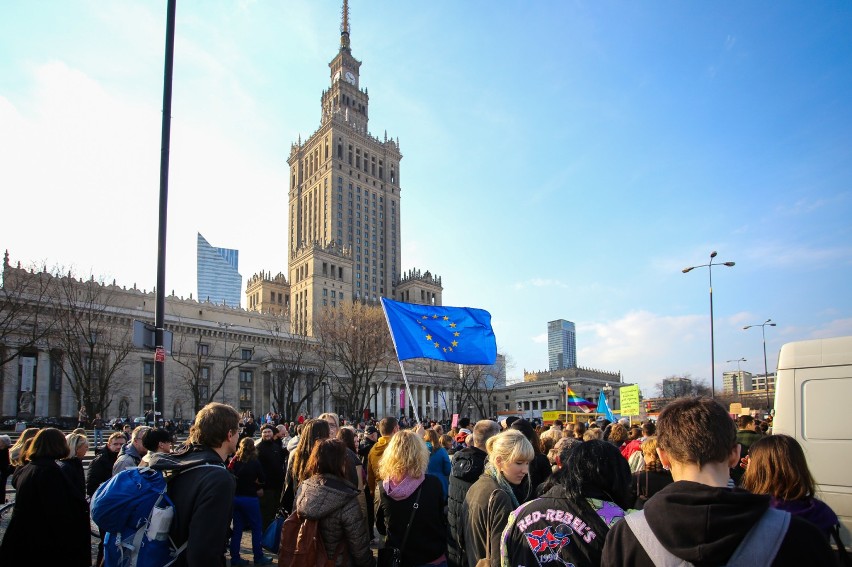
x: 401, y: 367
x: 408, y: 388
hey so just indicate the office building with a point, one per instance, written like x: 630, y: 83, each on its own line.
x: 561, y: 344
x: 219, y: 280
x: 677, y: 387
x: 736, y: 382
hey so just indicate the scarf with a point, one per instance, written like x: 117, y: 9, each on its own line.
x: 501, y: 481
x: 404, y: 488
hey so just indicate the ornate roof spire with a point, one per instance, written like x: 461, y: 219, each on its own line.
x: 344, y: 27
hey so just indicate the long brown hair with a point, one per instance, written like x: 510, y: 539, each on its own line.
x: 247, y: 450
x: 313, y: 430
x: 327, y: 457
x: 777, y: 466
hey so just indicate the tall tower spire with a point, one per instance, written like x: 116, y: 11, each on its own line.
x: 344, y: 27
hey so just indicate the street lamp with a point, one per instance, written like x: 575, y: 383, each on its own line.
x: 709, y: 267
x: 765, y: 369
x: 739, y: 372
x: 563, y: 383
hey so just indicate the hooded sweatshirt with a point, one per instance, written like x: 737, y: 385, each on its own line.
x: 333, y: 502
x: 202, y: 490
x: 704, y: 525
x: 373, y: 461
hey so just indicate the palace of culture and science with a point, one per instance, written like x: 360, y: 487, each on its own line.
x: 344, y: 201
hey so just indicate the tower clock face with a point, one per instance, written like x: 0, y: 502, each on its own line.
x: 350, y: 77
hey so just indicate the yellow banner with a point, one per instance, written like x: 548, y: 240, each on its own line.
x: 552, y: 415
x: 629, y: 400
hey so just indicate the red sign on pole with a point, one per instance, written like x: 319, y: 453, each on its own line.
x: 160, y: 355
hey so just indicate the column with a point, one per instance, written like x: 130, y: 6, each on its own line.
x: 42, y: 383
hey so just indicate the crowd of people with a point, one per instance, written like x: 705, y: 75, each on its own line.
x: 695, y: 486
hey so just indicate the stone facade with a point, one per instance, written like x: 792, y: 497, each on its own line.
x: 210, y: 342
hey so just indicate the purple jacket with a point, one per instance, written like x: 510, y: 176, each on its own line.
x: 815, y: 511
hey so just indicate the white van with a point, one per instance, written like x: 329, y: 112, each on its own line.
x: 813, y: 403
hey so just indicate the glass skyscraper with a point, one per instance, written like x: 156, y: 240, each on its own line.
x: 218, y: 278
x: 561, y: 344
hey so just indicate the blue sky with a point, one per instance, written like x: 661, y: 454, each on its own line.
x: 561, y: 159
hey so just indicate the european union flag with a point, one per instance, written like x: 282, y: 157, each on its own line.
x: 462, y: 335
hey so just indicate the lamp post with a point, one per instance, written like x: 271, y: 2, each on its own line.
x: 765, y: 369
x: 563, y: 383
x: 709, y: 267
x: 739, y: 372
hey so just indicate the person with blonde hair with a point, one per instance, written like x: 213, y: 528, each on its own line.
x: 593, y: 434
x: 333, y: 423
x: 503, y: 486
x: 402, y: 469
x: 17, y: 455
x: 72, y: 464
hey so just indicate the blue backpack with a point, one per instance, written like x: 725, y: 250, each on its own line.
x: 136, y: 513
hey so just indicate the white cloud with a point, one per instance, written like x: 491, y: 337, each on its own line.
x: 540, y: 339
x: 645, y: 346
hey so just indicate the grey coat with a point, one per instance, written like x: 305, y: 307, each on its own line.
x: 333, y: 502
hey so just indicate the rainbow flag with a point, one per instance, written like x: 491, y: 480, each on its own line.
x: 575, y: 400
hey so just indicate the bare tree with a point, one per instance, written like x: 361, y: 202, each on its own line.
x: 93, y: 337
x: 24, y: 303
x: 203, y: 373
x: 477, y: 384
x: 298, y: 369
x: 355, y: 339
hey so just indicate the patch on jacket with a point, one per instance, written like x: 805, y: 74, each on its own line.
x: 547, y: 542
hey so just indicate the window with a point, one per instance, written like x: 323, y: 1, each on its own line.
x: 246, y: 387
x: 203, y: 349
x: 147, y: 368
x: 245, y: 354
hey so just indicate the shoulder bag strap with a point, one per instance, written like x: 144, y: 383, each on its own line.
x: 411, y: 519
x: 761, y: 543
x: 659, y: 555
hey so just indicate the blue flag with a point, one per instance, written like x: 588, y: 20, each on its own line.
x: 603, y: 407
x: 462, y: 335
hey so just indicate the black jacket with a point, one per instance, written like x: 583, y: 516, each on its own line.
x: 273, y: 459
x: 202, y: 490
x: 72, y: 468
x: 483, y: 519
x: 554, y: 531
x: 427, y: 540
x: 645, y: 484
x: 100, y: 470
x: 704, y: 525
x: 250, y: 477
x: 50, y: 522
x: 468, y: 465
